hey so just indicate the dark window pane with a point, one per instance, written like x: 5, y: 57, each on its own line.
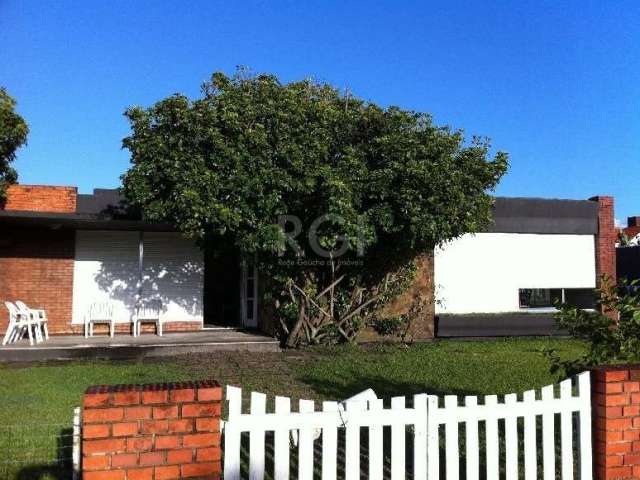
x: 539, y: 297
x: 556, y: 296
x: 580, y: 297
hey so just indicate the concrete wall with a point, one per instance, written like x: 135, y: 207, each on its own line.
x: 483, y: 272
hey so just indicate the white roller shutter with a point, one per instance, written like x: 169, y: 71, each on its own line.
x: 174, y: 273
x: 105, y: 268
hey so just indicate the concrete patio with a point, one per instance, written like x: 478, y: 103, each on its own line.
x: 69, y: 347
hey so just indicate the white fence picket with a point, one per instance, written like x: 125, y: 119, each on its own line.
x: 530, y: 455
x: 398, y: 432
x: 352, y: 441
x: 451, y: 437
x: 548, y: 437
x: 232, y: 435
x: 473, y: 459
x: 566, y: 432
x: 329, y: 445
x: 433, y: 439
x: 425, y: 417
x: 492, y: 440
x: 376, y: 446
x: 419, y: 438
x: 256, y: 438
x: 511, y: 437
x: 281, y: 448
x: 305, y: 444
x: 584, y: 395
x: 77, y: 448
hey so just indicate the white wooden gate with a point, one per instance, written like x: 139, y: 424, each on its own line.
x: 536, y: 436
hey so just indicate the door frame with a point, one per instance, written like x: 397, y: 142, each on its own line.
x: 249, y: 295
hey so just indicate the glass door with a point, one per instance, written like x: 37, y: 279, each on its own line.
x: 249, y: 295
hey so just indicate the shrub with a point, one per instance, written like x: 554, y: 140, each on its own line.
x: 610, y: 338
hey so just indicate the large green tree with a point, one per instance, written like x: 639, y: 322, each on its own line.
x: 369, y: 188
x: 13, y: 134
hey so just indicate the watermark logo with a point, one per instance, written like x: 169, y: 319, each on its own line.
x: 324, y: 245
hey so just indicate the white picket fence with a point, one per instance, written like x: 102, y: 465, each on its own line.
x: 319, y: 450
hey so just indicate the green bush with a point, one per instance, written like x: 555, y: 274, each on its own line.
x: 612, y: 330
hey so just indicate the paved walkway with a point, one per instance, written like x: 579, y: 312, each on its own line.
x: 146, y: 345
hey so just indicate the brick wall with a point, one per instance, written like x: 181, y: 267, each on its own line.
x: 41, y: 198
x: 417, y: 302
x: 616, y: 422
x: 606, y: 238
x: 152, y: 432
x: 36, y: 266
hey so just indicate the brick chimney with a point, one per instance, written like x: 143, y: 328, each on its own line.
x: 605, y: 239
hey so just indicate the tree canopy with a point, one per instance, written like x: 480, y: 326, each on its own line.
x: 254, y: 157
x: 13, y: 134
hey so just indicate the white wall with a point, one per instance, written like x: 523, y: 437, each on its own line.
x: 482, y: 273
x: 106, y: 268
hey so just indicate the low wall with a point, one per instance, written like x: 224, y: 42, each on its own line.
x: 145, y: 328
x: 496, y: 325
x: 616, y: 422
x: 154, y: 431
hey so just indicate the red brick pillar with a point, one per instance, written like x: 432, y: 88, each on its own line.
x: 152, y: 432
x: 605, y: 239
x: 616, y: 422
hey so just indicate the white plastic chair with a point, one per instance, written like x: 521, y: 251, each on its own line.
x: 38, y: 316
x: 18, y: 323
x: 99, y: 312
x: 148, y: 313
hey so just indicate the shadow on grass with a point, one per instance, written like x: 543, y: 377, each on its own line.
x: 60, y: 468
x: 382, y: 386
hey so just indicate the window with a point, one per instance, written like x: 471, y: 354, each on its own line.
x: 547, y: 297
x: 580, y: 297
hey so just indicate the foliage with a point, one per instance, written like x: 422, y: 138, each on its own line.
x: 381, y: 185
x: 13, y: 134
x: 389, y: 326
x: 340, y: 310
x: 612, y: 331
x: 623, y: 239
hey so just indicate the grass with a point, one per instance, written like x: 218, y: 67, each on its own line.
x: 37, y: 410
x: 447, y: 366
x: 38, y: 400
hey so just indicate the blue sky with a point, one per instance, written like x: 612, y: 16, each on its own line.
x: 555, y: 84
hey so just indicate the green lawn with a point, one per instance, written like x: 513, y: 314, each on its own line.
x: 37, y: 400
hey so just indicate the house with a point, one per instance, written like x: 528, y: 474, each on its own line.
x: 632, y: 230
x: 505, y: 281
x: 628, y: 253
x: 62, y: 251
